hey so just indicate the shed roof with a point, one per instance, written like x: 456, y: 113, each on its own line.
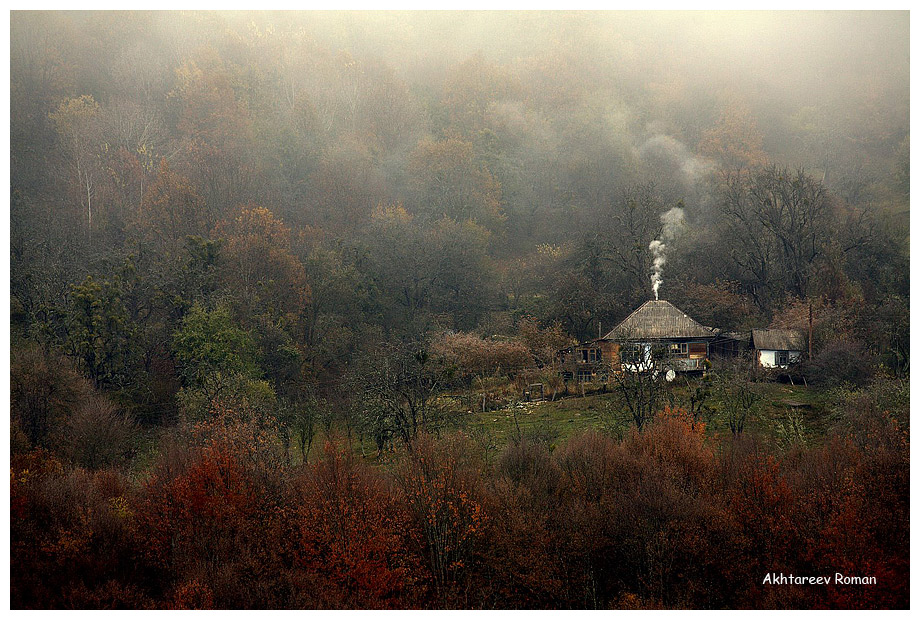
x: 658, y: 320
x: 778, y: 339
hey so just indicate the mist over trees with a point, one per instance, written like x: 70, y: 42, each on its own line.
x: 316, y: 222
x: 491, y: 135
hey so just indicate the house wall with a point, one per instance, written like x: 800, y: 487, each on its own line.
x: 768, y: 358
x: 574, y: 366
x: 692, y: 360
x: 611, y: 352
x: 643, y: 362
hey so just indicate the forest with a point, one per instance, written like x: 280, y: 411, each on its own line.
x: 280, y: 284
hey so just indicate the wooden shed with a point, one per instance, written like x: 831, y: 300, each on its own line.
x: 730, y: 344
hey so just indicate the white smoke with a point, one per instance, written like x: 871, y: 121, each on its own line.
x: 666, y: 154
x: 672, y: 221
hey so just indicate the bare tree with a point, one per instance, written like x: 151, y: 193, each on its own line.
x: 399, y: 385
x: 778, y: 221
x: 640, y: 380
x: 735, y: 390
x: 97, y: 434
x: 76, y: 123
x: 298, y: 422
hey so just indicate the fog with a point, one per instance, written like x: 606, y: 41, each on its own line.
x: 308, y: 309
x: 570, y: 130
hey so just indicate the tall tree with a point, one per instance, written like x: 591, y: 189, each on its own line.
x: 259, y: 266
x: 173, y: 210
x: 777, y: 228
x: 449, y: 182
x: 75, y: 123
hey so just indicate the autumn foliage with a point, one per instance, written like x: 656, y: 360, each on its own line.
x: 663, y: 518
x: 281, y: 282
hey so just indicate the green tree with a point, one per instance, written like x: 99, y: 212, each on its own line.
x: 399, y: 263
x: 218, y: 364
x: 464, y: 279
x: 101, y: 333
x: 209, y: 342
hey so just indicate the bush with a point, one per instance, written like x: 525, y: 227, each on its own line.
x: 97, y: 434
x: 210, y: 521
x: 353, y: 537
x: 441, y: 486
x: 44, y: 389
x: 840, y: 361
x: 69, y: 536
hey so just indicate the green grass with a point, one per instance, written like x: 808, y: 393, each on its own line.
x: 775, y: 409
x: 551, y: 421
x: 556, y: 421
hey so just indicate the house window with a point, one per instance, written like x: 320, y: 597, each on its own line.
x: 590, y: 355
x: 679, y: 348
x: 782, y: 358
x: 629, y: 354
x: 584, y: 375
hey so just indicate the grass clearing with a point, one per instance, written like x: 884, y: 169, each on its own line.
x: 781, y: 409
x: 783, y: 414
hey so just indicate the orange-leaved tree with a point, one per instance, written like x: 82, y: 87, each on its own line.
x: 352, y: 537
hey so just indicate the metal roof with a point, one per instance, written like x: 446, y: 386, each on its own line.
x: 778, y: 339
x: 658, y: 320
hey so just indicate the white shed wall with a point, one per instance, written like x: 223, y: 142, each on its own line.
x: 768, y: 358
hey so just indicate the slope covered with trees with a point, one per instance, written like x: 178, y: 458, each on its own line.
x: 235, y: 237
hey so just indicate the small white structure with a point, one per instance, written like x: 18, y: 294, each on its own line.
x: 777, y: 348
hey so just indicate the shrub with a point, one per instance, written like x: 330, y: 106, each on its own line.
x: 44, y: 389
x: 210, y: 520
x: 351, y: 537
x: 840, y: 361
x: 69, y: 536
x: 97, y: 434
x: 441, y: 486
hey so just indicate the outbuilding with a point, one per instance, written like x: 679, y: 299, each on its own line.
x: 777, y: 348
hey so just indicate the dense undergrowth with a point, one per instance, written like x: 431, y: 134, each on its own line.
x: 663, y: 518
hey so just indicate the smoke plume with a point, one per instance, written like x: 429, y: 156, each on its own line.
x: 672, y: 221
x: 669, y: 157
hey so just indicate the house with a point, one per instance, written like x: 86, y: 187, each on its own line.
x: 777, y: 348
x: 656, y: 331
